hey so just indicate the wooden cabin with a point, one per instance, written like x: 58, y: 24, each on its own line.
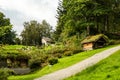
x: 96, y: 41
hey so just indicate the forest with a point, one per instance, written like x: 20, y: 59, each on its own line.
x: 88, y: 17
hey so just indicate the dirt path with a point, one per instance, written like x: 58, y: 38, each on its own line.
x: 72, y: 70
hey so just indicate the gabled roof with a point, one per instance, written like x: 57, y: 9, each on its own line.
x: 94, y: 38
x: 47, y: 39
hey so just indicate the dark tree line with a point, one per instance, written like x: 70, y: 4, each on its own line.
x: 88, y: 17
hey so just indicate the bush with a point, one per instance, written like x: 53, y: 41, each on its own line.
x: 37, y: 59
x: 36, y: 63
x: 56, y: 50
x: 53, y: 61
x: 68, y: 53
x: 76, y: 51
x: 4, y: 73
x: 58, y: 55
x: 114, y: 42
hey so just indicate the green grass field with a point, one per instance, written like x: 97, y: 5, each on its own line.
x: 107, y: 69
x: 63, y: 63
x: 13, y: 46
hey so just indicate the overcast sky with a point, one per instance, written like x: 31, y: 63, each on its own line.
x: 20, y: 11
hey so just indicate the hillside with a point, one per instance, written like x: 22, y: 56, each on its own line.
x: 107, y: 69
x: 63, y: 63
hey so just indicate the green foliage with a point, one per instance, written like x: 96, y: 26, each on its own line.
x: 4, y: 73
x: 95, y: 38
x: 68, y: 53
x: 17, y: 41
x: 13, y: 54
x: 4, y: 30
x: 63, y: 63
x: 36, y: 63
x: 53, y: 61
x: 87, y: 16
x: 12, y: 47
x: 7, y: 35
x: 114, y: 42
x: 73, y: 44
x: 4, y: 21
x: 113, y: 35
x: 38, y: 59
x: 107, y: 69
x: 55, y: 50
x: 34, y: 31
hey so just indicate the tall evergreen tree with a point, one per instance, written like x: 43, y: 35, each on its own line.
x: 88, y: 17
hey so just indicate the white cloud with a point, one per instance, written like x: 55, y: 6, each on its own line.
x: 29, y: 9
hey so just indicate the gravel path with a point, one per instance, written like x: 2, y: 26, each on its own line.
x: 72, y: 70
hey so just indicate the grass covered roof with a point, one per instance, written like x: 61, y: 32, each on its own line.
x: 94, y: 38
x: 13, y: 51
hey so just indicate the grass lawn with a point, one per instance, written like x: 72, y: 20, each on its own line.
x: 13, y: 46
x: 107, y: 69
x: 63, y: 63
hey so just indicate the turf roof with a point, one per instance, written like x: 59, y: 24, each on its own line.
x: 94, y: 38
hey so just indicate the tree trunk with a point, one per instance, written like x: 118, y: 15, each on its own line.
x: 88, y: 30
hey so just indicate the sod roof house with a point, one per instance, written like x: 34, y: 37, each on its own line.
x: 96, y: 41
x: 46, y: 41
x: 16, y: 61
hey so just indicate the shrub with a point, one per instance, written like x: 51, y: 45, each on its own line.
x: 4, y: 73
x: 114, y: 42
x: 56, y: 50
x: 68, y: 53
x: 58, y: 55
x: 38, y: 59
x: 13, y: 54
x: 75, y: 49
x: 53, y: 61
x: 36, y: 63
